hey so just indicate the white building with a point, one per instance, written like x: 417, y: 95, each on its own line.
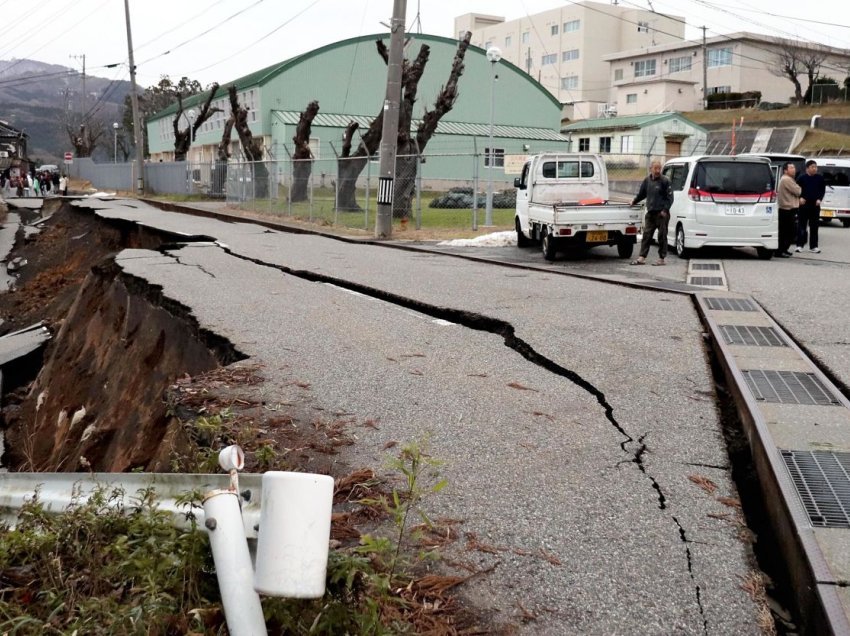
x: 669, y: 77
x: 563, y: 48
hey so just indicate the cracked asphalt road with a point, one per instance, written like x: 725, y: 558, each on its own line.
x: 569, y: 413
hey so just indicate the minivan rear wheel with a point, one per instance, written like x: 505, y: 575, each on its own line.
x: 681, y: 250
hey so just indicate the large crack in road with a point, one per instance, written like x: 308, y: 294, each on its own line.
x: 479, y: 322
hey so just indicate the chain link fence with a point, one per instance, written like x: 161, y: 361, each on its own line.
x: 439, y: 191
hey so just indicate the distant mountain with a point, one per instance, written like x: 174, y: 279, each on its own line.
x: 37, y: 98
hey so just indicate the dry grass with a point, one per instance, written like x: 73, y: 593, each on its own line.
x: 824, y: 142
x: 792, y: 113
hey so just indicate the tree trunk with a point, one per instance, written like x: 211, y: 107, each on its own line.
x: 253, y: 151
x: 349, y: 166
x: 303, y: 158
x: 219, y: 179
x: 183, y: 138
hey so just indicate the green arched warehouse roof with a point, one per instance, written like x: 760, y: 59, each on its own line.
x: 523, y: 101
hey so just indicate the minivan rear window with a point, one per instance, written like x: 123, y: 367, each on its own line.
x: 566, y: 169
x: 835, y: 175
x: 733, y: 177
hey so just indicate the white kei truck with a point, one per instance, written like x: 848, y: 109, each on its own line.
x: 562, y: 203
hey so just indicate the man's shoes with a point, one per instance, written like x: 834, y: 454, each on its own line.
x: 816, y: 250
x: 799, y: 248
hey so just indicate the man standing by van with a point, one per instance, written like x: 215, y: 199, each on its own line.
x: 788, y: 198
x: 813, y: 189
x: 658, y: 192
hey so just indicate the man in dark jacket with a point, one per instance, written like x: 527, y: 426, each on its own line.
x: 813, y: 189
x: 658, y: 192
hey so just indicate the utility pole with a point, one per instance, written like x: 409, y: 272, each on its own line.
x: 389, y: 132
x: 704, y: 71
x: 138, y: 134
x: 83, y: 96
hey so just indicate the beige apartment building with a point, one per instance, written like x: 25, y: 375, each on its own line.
x: 669, y: 77
x: 563, y: 48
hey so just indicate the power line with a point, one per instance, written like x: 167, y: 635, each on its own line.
x: 182, y: 24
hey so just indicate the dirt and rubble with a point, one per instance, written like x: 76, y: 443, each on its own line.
x: 129, y: 381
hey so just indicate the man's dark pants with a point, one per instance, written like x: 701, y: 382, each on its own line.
x: 654, y: 221
x: 808, y: 215
x: 787, y: 231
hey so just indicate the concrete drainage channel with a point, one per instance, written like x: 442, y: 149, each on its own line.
x: 797, y: 423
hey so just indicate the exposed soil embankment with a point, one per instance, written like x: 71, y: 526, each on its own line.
x: 97, y: 402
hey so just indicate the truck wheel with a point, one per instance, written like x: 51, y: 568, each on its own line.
x: 764, y: 253
x: 521, y: 239
x: 681, y: 250
x: 548, y: 244
x: 845, y: 222
x: 625, y: 249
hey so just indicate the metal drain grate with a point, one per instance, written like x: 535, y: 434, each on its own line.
x: 822, y: 479
x: 752, y: 336
x: 719, y: 303
x: 714, y: 267
x: 713, y: 281
x: 788, y: 387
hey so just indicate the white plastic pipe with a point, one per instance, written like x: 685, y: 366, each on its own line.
x: 242, y: 608
x: 292, y: 542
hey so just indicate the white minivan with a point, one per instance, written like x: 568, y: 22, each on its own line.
x: 722, y: 201
x: 836, y: 201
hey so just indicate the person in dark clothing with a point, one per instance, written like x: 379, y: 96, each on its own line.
x: 658, y: 192
x: 813, y: 189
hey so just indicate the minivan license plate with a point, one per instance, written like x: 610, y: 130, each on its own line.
x: 596, y: 237
x: 734, y: 209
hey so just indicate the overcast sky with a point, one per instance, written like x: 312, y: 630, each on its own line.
x: 220, y: 40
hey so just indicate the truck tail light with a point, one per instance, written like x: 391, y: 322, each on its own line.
x: 565, y: 231
x: 632, y: 229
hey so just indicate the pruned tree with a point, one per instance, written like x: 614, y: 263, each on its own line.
x: 794, y: 60
x: 252, y: 150
x: 303, y: 157
x: 184, y: 136
x: 350, y: 165
x: 85, y: 137
x: 224, y: 144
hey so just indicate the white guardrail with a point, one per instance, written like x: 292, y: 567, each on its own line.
x: 57, y: 491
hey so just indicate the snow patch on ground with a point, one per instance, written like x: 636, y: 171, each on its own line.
x: 496, y: 239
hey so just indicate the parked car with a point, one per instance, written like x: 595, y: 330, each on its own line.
x: 723, y: 200
x: 459, y: 197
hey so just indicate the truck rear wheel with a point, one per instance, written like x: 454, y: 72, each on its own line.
x: 548, y: 244
x: 521, y: 239
x: 845, y: 222
x: 625, y: 249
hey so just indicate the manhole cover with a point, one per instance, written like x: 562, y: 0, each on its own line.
x: 751, y: 336
x: 719, y: 303
x: 712, y: 267
x: 822, y: 480
x: 788, y: 387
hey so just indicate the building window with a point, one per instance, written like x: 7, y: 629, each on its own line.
x: 553, y: 30
x: 569, y: 82
x: 627, y: 144
x: 549, y: 59
x: 679, y: 64
x: 572, y: 25
x: 644, y: 68
x: 720, y: 57
x: 584, y: 144
x: 508, y: 41
x: 631, y: 98
x: 713, y: 90
x: 498, y: 157
x: 572, y: 54
x: 618, y: 74
x: 525, y: 38
x: 604, y: 144
x: 315, y: 144
x: 643, y: 27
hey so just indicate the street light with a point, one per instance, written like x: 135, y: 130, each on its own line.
x: 115, y: 128
x: 493, y: 56
x: 192, y: 115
